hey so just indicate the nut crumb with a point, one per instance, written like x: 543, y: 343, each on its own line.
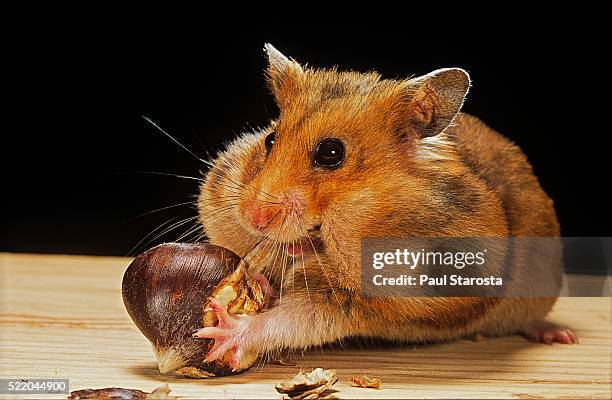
x: 366, y: 382
x: 161, y: 393
x: 308, y: 386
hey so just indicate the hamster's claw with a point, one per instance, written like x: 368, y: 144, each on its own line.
x: 228, y: 335
x: 549, y: 333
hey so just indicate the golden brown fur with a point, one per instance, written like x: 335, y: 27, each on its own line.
x: 413, y: 168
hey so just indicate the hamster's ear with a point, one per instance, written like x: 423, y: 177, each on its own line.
x: 436, y: 99
x: 283, y: 74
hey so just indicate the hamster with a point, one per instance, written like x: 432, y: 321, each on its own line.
x: 352, y: 155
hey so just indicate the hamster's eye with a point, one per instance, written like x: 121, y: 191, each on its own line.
x: 269, y: 142
x: 329, y: 153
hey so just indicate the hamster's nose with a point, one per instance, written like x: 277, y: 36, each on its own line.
x: 261, y: 214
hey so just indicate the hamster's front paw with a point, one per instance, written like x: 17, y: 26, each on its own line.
x: 230, y: 336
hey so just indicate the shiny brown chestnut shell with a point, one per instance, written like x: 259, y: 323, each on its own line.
x: 166, y: 291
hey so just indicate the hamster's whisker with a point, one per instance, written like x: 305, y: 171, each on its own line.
x: 220, y: 210
x: 225, y: 179
x: 217, y: 210
x: 199, y: 238
x: 228, y: 183
x: 149, y: 120
x: 243, y: 188
x: 304, y: 269
x: 185, y: 203
x: 203, y: 148
x: 225, y: 196
x: 248, y: 255
x: 279, y: 248
x: 283, y: 264
x: 248, y: 188
x: 259, y: 254
x: 168, y: 229
x: 283, y: 259
x: 232, y: 189
x: 192, y: 236
x: 271, y: 249
x: 215, y: 202
x: 173, y: 227
x: 270, y: 203
x: 167, y: 174
x: 272, y: 219
x: 275, y: 251
x: 160, y: 226
x: 322, y: 268
x: 189, y: 232
x: 267, y: 194
x: 238, y: 193
x: 238, y: 185
x: 268, y: 244
x: 254, y: 247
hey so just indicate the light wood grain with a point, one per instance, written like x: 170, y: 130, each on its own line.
x: 62, y: 317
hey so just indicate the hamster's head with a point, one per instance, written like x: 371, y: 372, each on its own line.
x: 344, y: 160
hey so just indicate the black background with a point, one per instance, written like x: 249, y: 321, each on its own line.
x: 73, y: 157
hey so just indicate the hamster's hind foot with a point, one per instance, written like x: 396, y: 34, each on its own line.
x: 548, y: 333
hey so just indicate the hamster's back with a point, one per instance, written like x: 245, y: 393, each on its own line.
x: 504, y: 167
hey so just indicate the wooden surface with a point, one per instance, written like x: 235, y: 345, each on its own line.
x: 62, y: 317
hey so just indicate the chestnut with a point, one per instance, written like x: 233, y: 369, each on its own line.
x: 166, y: 290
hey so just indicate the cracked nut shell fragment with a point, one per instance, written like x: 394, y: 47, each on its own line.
x: 114, y: 393
x: 166, y: 291
x: 310, y: 385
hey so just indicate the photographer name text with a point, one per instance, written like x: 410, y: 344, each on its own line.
x: 443, y: 280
